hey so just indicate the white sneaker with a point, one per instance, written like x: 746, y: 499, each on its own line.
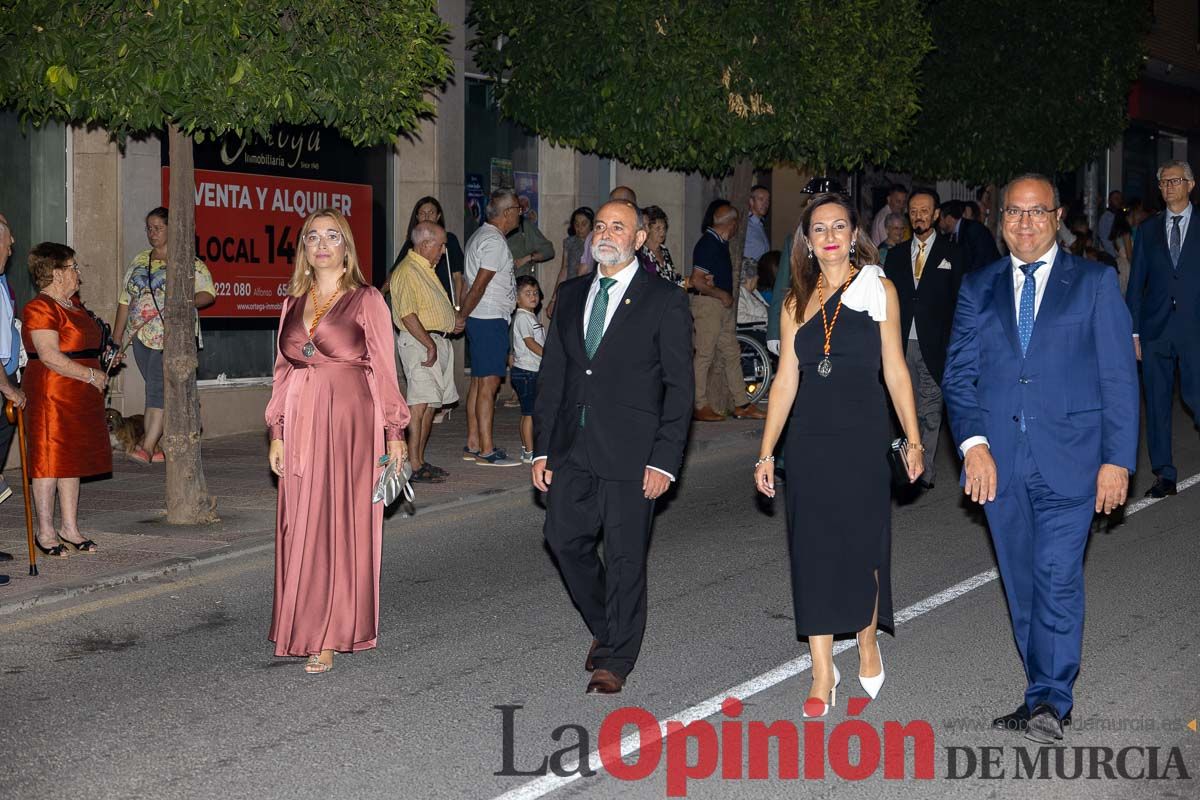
x: 5, y: 490
x: 526, y: 456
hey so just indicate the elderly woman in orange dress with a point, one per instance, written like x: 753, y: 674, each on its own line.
x: 335, y: 408
x: 64, y: 385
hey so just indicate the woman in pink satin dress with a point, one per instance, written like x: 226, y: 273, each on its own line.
x: 334, y: 404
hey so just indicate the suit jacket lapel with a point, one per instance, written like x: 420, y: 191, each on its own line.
x: 624, y: 308
x: 1191, y: 243
x: 1162, y: 240
x: 574, y: 337
x: 1062, y: 275
x: 1006, y: 306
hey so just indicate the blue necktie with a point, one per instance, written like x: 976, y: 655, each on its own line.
x: 1176, y: 240
x: 1028, y: 294
x: 1025, y: 315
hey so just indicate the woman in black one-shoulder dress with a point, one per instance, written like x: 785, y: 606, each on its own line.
x: 840, y: 331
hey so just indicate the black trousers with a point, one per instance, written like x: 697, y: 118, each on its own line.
x: 610, y: 594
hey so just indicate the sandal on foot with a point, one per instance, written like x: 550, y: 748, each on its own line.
x: 427, y: 475
x: 58, y: 551
x: 86, y: 546
x: 139, y: 455
x: 315, y: 666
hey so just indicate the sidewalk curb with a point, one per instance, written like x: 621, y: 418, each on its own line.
x: 179, y: 565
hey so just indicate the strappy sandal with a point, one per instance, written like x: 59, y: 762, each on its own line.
x: 86, y: 546
x: 427, y: 475
x: 315, y: 666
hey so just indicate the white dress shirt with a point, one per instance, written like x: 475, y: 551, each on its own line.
x: 1041, y: 277
x: 1183, y: 223
x: 616, y: 293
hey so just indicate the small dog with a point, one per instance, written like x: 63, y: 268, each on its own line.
x: 124, y: 433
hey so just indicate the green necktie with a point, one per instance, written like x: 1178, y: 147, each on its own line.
x: 595, y: 326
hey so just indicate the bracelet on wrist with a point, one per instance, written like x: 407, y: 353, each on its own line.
x: 764, y: 460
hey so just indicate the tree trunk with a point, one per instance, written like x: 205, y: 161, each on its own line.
x: 739, y: 198
x: 188, y: 500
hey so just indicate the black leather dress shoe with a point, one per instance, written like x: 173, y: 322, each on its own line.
x: 605, y: 682
x: 4, y: 579
x: 1044, y: 726
x: 5, y: 556
x: 1019, y: 719
x: 1162, y: 488
x: 1016, y: 721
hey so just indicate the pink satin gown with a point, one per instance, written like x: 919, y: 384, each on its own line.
x: 332, y: 410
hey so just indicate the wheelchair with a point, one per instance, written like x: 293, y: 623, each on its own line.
x: 758, y: 364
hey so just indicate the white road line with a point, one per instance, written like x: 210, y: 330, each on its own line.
x: 632, y: 743
x: 1149, y: 501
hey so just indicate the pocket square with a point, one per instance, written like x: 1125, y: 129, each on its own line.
x: 945, y: 265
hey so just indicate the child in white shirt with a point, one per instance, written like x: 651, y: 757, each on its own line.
x: 528, y: 336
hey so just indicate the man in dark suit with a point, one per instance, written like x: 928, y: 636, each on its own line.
x: 1164, y: 300
x: 610, y: 426
x: 976, y: 242
x: 1041, y: 389
x: 927, y: 270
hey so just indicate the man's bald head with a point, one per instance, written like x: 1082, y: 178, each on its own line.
x: 427, y: 239
x: 623, y: 193
x: 725, y: 220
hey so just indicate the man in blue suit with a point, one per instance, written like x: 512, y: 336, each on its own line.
x: 1041, y: 388
x: 1164, y: 300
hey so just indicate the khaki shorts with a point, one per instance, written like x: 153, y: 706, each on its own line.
x: 427, y: 385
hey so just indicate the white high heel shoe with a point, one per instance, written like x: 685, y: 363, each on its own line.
x: 837, y: 678
x: 872, y: 685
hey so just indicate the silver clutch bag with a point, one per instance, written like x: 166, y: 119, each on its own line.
x: 393, y: 482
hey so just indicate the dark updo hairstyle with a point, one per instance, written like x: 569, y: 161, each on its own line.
x: 44, y: 259
x: 584, y: 211
x: 653, y: 214
x: 159, y: 212
x: 806, y: 268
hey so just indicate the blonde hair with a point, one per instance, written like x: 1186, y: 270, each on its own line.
x: 302, y: 279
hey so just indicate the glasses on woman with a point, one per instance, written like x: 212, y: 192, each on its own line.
x: 332, y: 238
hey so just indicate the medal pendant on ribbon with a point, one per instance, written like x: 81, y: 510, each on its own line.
x: 824, y: 367
x: 309, y: 349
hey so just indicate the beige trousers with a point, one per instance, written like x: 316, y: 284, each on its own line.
x: 715, y: 338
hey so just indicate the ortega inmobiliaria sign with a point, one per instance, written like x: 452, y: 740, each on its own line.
x: 252, y: 196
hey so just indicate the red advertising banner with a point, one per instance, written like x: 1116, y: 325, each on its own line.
x: 247, y: 227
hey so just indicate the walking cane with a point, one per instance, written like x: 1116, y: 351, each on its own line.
x: 15, y: 416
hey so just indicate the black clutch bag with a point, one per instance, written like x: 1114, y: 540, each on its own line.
x: 898, y: 461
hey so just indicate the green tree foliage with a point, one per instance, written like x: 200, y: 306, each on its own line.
x: 211, y: 66
x: 197, y: 68
x: 689, y: 85
x: 1020, y: 85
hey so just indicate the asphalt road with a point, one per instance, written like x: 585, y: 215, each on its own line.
x: 169, y: 690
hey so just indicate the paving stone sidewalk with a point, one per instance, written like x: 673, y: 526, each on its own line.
x: 126, y: 515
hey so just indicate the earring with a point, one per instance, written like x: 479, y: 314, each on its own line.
x: 308, y: 272
x: 852, y: 244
